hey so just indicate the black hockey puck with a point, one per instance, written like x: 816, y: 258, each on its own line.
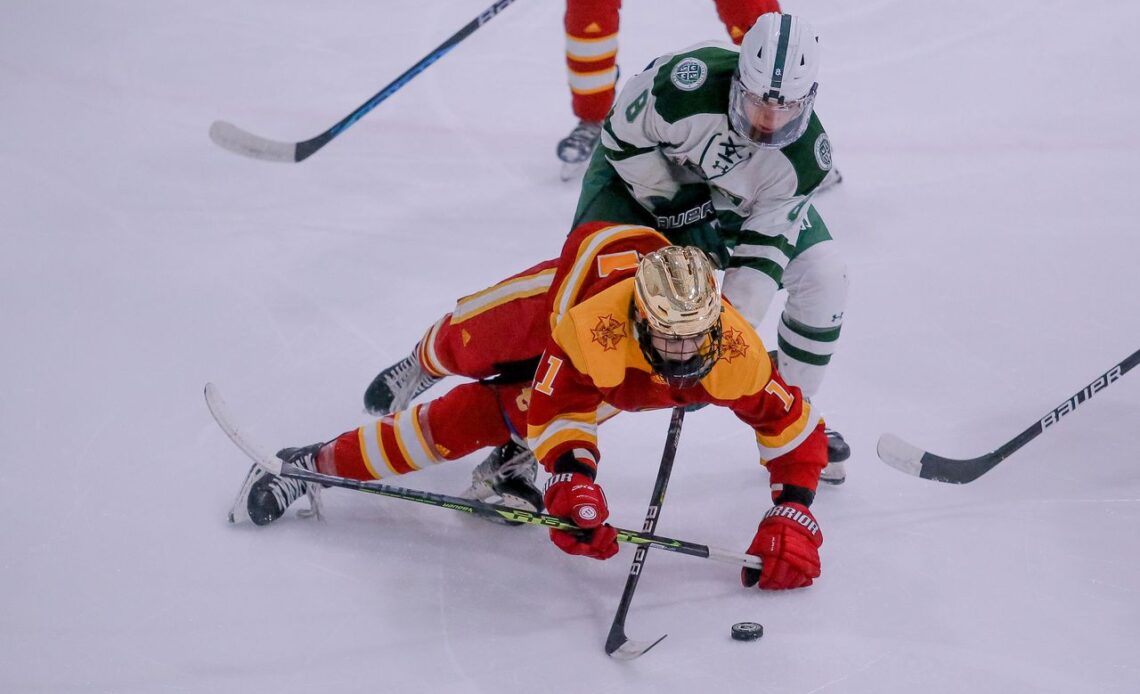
x: 747, y: 631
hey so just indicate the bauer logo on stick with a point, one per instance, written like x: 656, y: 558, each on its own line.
x: 1086, y: 394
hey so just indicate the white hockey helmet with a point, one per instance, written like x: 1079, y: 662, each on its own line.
x: 677, y: 311
x: 773, y: 90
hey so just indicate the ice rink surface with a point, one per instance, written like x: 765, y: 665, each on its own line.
x: 988, y: 215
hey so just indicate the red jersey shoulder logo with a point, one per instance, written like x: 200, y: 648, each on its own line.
x: 608, y: 332
x: 732, y: 345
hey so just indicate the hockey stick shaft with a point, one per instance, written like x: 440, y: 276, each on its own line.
x: 499, y: 512
x: 247, y: 144
x: 915, y: 461
x: 617, y: 643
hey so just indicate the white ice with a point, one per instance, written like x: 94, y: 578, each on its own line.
x: 989, y: 218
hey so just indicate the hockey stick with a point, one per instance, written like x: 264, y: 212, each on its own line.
x: 914, y: 461
x: 275, y: 466
x: 618, y: 644
x: 239, y: 141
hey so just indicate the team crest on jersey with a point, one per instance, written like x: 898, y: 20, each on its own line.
x: 689, y: 74
x: 732, y: 345
x: 608, y: 332
x: 823, y: 152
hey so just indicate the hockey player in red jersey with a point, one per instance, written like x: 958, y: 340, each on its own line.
x: 665, y: 338
x: 591, y: 64
x: 496, y: 336
x: 649, y: 353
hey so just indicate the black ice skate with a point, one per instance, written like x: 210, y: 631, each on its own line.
x: 575, y: 149
x: 508, y: 473
x: 396, y: 386
x: 837, y: 452
x: 266, y: 497
x: 832, y: 179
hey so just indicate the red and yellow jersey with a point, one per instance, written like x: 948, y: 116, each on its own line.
x: 593, y: 356
x: 596, y: 256
x: 505, y: 327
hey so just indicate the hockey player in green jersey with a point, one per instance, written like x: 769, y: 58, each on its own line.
x: 720, y: 147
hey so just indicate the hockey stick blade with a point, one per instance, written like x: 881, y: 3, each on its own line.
x: 915, y: 461
x: 228, y: 136
x: 629, y: 649
x: 619, y: 645
x: 221, y: 414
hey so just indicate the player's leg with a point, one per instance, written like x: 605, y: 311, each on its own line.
x: 467, y: 418
x: 488, y: 331
x: 739, y: 15
x: 809, y: 329
x: 591, y: 64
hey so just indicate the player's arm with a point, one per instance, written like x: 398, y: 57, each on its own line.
x: 562, y: 425
x: 780, y: 212
x: 794, y: 448
x: 562, y: 431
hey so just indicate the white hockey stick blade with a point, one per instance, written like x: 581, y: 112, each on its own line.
x: 229, y: 136
x: 900, y: 455
x: 221, y: 413
x: 630, y: 649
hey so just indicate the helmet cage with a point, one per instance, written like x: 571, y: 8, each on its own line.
x: 793, y: 116
x: 676, y: 369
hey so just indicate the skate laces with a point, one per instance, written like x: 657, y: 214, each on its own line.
x: 286, y: 490
x: 507, y: 462
x: 521, y: 464
x: 579, y: 144
x: 585, y: 133
x: 406, y: 380
x: 583, y: 136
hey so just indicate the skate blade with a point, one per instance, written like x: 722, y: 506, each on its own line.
x: 239, y: 511
x: 573, y: 170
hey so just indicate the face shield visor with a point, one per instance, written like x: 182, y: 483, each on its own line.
x: 767, y: 121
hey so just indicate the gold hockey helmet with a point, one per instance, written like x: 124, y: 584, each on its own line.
x: 677, y: 311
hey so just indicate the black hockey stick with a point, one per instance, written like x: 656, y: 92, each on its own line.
x: 274, y: 466
x: 618, y: 644
x: 498, y: 512
x: 914, y: 461
x: 245, y: 143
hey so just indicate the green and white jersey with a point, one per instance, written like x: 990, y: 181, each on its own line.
x: 669, y: 129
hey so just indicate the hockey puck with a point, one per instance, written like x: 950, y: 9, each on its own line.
x: 747, y: 631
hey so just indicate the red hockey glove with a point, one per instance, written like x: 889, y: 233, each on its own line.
x: 576, y: 498
x: 788, y: 541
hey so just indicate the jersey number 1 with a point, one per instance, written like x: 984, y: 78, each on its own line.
x: 545, y: 385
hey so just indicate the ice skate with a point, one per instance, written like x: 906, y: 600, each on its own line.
x: 508, y: 474
x: 575, y: 149
x: 396, y: 386
x: 265, y: 497
x: 837, y: 452
x: 832, y: 179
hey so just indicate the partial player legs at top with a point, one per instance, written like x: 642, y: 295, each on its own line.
x: 592, y: 71
x: 591, y: 66
x: 739, y: 15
